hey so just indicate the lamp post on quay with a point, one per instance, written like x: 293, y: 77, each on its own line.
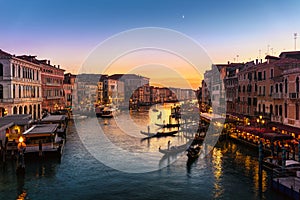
x: 20, y: 161
x: 260, y: 121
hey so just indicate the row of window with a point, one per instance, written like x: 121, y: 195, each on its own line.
x: 278, y: 88
x: 53, y: 93
x: 24, y: 72
x: 53, y: 81
x: 25, y: 91
x: 260, y: 75
x: 22, y: 91
x: 50, y: 71
x: 278, y: 111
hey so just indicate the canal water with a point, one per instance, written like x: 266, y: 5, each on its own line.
x: 229, y: 171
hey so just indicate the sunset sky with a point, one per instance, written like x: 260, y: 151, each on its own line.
x: 66, y: 32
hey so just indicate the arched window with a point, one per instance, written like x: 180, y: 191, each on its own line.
x: 39, y: 111
x: 297, y: 111
x: 271, y: 109
x: 259, y: 108
x: 297, y: 84
x: 34, y: 111
x: 15, y: 110
x: 264, y: 108
x: 280, y: 88
x: 1, y: 91
x: 286, y: 86
x: 14, y: 91
x: 20, y: 110
x: 25, y: 109
x: 13, y: 70
x: 280, y: 110
x: 20, y: 91
x: 285, y: 110
x: 276, y: 110
x: 19, y: 71
x: 1, y: 69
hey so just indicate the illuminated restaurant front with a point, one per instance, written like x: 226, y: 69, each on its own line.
x: 271, y: 138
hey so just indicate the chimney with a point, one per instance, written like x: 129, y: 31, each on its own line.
x: 58, y: 66
x: 48, y: 62
x: 228, y: 62
x: 256, y: 61
x: 260, y: 60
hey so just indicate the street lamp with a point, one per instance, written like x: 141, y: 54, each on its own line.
x: 260, y: 121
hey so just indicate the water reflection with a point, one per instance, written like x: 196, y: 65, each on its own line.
x: 217, y: 164
x: 230, y: 171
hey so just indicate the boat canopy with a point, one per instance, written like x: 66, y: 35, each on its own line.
x: 276, y: 136
x: 41, y: 130
x: 54, y: 118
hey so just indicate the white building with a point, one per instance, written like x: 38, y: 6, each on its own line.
x: 20, y: 86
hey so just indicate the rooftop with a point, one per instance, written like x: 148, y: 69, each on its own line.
x: 41, y: 128
x: 24, y: 119
x: 5, y: 124
x: 54, y: 118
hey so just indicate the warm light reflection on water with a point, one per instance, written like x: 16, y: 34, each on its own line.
x: 230, y: 171
x: 217, y: 164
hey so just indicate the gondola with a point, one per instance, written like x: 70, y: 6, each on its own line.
x: 158, y: 134
x: 174, y: 149
x: 168, y: 125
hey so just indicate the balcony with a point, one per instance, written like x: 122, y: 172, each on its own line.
x: 264, y: 115
x: 21, y: 100
x: 54, y: 84
x: 276, y: 118
x: 53, y: 97
x: 277, y: 95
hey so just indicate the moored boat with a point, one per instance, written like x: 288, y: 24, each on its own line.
x: 158, y: 134
x: 43, y: 139
x: 174, y: 149
x: 148, y: 133
x: 105, y: 112
x: 164, y: 134
x: 168, y: 125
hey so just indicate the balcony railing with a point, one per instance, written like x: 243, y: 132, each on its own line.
x: 54, y: 97
x: 294, y: 95
x: 277, y: 95
x: 21, y: 100
x: 264, y: 115
x: 276, y: 118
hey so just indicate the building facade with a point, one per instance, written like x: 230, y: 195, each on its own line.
x: 52, y: 86
x: 20, y: 86
x: 69, y: 88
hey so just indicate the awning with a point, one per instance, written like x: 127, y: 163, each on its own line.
x: 252, y: 130
x: 276, y: 136
x: 287, y: 128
